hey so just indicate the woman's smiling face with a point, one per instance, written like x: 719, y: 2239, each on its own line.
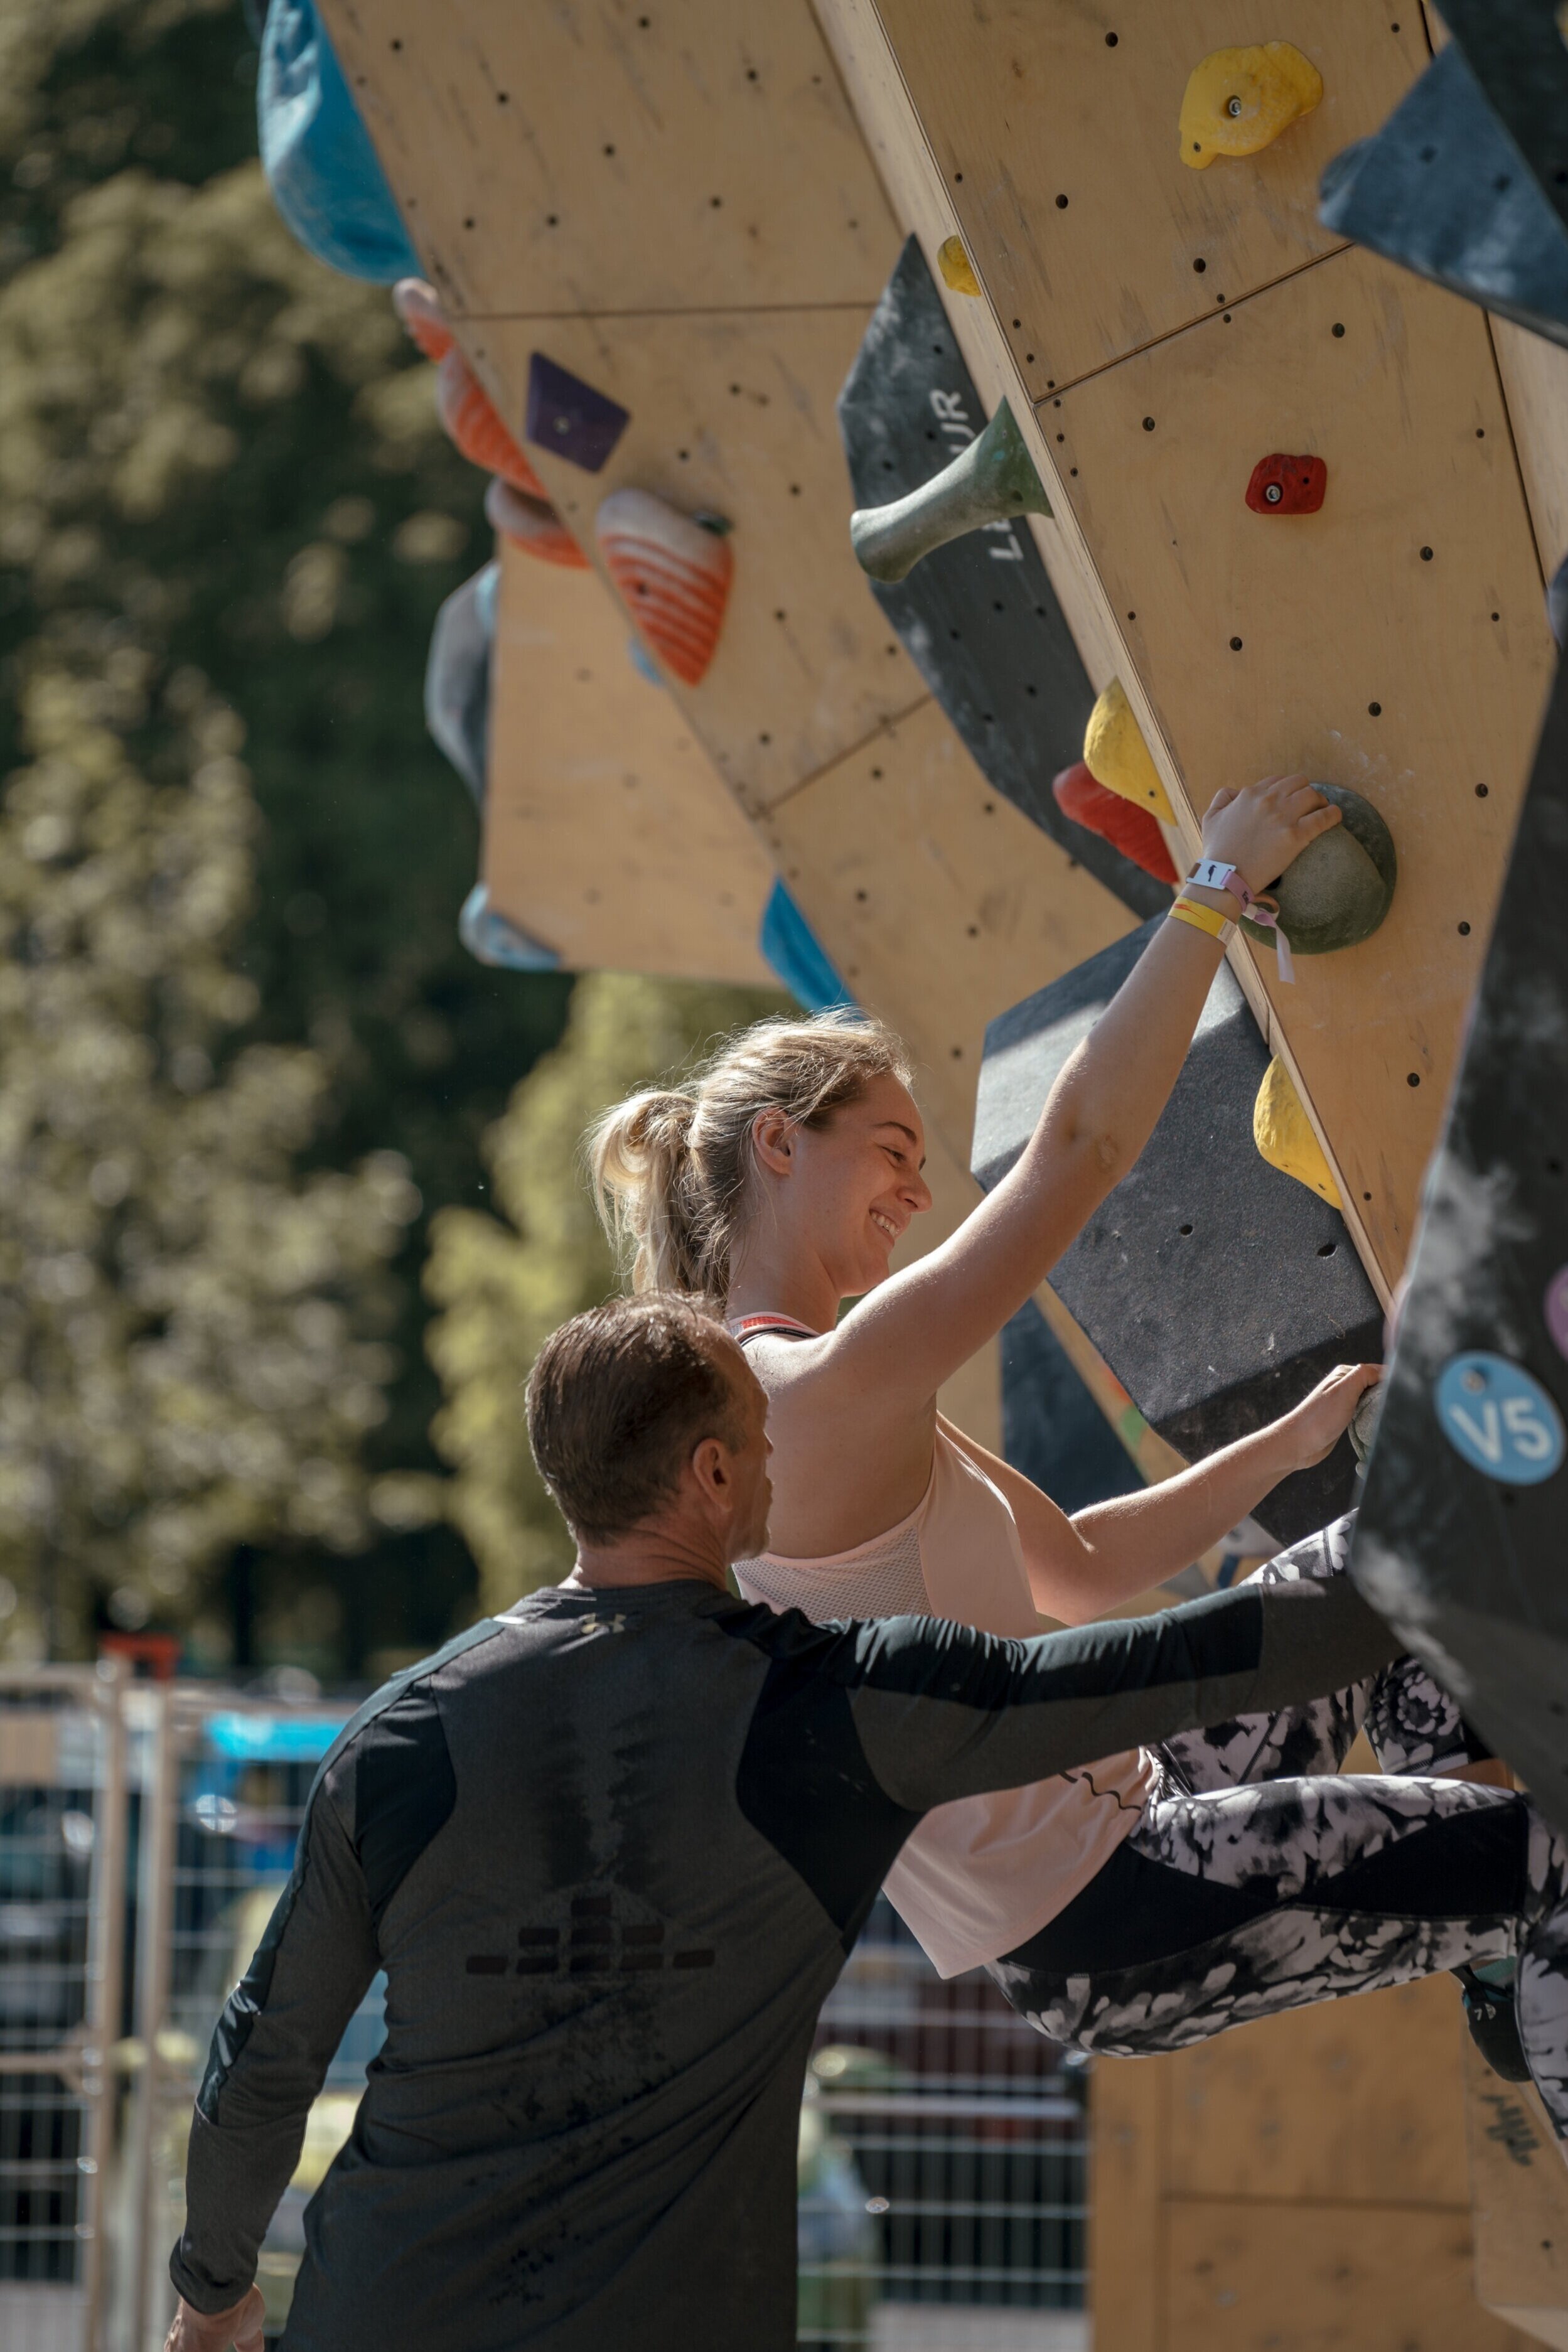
x: 855, y: 1182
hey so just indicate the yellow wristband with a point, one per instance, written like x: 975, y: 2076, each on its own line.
x: 1204, y: 919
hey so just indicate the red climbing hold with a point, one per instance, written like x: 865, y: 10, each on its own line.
x: 468, y: 417
x: 674, y: 575
x: 420, y: 307
x: 1125, y: 823
x: 1287, y: 485
x: 531, y: 525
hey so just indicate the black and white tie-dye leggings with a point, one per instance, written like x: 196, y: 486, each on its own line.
x: 1259, y: 1878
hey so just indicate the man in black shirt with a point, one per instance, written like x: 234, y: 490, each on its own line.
x: 612, y: 1849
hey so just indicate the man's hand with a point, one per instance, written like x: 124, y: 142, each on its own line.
x: 201, y: 2331
x: 1311, y: 1432
x: 1262, y: 830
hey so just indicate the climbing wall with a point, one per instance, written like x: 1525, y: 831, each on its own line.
x: 608, y: 834
x: 1158, y: 330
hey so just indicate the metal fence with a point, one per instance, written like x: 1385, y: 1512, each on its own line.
x: 145, y: 1832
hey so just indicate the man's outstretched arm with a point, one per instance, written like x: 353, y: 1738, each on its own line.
x: 270, y: 2052
x: 943, y: 1712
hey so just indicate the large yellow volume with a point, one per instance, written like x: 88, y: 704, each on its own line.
x: 1283, y: 1134
x: 1239, y: 100
x: 1116, y: 755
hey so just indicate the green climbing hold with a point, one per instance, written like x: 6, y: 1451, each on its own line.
x: 1342, y: 885
x: 990, y: 482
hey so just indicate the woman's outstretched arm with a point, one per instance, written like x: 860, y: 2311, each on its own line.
x: 919, y: 1327
x: 1079, y: 1568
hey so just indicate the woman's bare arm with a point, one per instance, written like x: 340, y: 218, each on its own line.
x: 905, y: 1339
x: 1079, y: 1568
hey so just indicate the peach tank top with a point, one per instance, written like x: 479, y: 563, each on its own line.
x: 980, y: 1876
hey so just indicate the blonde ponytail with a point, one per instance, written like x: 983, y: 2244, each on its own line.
x: 669, y: 1167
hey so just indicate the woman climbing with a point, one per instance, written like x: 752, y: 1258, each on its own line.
x: 1158, y: 1897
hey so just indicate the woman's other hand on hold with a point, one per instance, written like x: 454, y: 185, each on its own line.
x: 1262, y: 829
x: 1310, y: 1433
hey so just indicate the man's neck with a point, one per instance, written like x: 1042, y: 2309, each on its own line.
x: 651, y: 1556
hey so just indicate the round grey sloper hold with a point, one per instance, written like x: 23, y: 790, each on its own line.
x: 1342, y: 885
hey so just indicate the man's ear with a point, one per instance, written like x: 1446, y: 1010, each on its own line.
x: 772, y: 1139
x: 710, y: 1468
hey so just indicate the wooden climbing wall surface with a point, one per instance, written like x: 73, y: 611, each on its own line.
x: 1359, y: 658
x: 607, y: 834
x: 725, y: 330
x: 1293, y: 2187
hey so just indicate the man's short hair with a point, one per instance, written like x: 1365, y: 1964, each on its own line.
x: 617, y: 1400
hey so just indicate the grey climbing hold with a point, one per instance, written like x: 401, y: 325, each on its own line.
x: 1363, y: 1420
x: 1557, y: 604
x: 993, y: 480
x: 1442, y: 189
x: 978, y: 618
x: 1342, y: 885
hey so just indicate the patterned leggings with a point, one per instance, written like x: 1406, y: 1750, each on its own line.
x: 1259, y: 1878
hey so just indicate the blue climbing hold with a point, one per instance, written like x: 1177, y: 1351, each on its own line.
x: 457, y: 678
x: 643, y: 662
x: 490, y: 939
x: 323, y: 172
x: 796, y: 954
x: 1499, y: 1418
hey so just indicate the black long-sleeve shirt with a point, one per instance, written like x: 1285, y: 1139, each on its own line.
x: 612, y: 1850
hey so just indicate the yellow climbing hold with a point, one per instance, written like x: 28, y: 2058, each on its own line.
x: 956, y: 268
x: 1239, y: 100
x: 1283, y: 1134
x: 1116, y: 755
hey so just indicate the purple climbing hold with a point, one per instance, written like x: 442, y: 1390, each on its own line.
x: 568, y: 417
x: 1554, y: 1307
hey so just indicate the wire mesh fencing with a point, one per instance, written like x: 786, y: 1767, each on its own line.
x: 146, y: 1832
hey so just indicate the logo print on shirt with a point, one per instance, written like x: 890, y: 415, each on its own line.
x: 597, y: 1939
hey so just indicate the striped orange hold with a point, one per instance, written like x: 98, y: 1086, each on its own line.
x: 423, y: 322
x: 469, y: 420
x: 537, y: 528
x: 674, y: 575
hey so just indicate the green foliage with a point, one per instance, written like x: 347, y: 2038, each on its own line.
x: 220, y: 473
x: 503, y: 1287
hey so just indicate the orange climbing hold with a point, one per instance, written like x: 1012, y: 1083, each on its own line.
x: 674, y: 574
x: 1122, y: 823
x: 1237, y: 102
x: 531, y: 525
x: 468, y: 417
x: 424, y: 320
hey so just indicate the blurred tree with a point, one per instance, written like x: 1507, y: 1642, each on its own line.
x: 218, y: 458
x: 501, y: 1288
x: 190, y: 1335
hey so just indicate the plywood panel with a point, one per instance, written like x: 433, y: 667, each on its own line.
x: 734, y: 414
x: 1025, y: 106
x: 1535, y: 379
x: 1324, y: 2278
x: 937, y: 901
x: 1417, y: 681
x: 601, y: 155
x: 1129, y: 2102
x: 608, y: 832
x: 1519, y: 2186
x: 1356, y: 2098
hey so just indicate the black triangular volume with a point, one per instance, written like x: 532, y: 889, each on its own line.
x: 1463, y: 1529
x: 978, y: 618
x: 1217, y: 1290
x: 1517, y: 52
x: 1443, y: 189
